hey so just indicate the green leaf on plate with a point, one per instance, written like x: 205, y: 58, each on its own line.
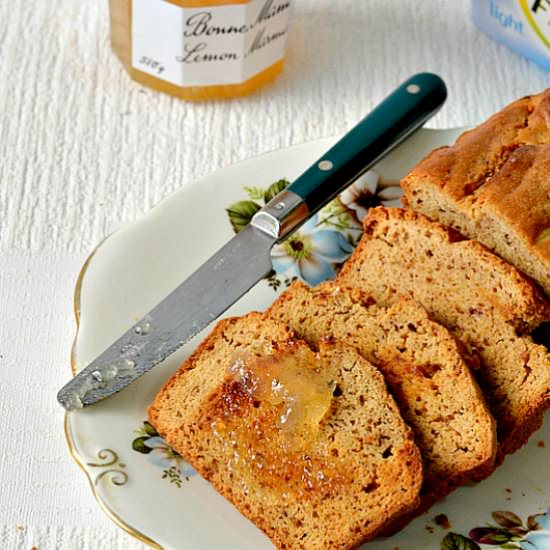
x: 454, y: 541
x: 173, y: 475
x: 138, y: 445
x: 255, y: 193
x: 240, y: 213
x: 493, y: 535
x: 148, y: 429
x: 275, y: 188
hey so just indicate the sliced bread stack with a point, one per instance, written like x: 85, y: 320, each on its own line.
x: 288, y: 414
x: 486, y: 303
x: 422, y: 366
x: 307, y: 444
x: 493, y: 185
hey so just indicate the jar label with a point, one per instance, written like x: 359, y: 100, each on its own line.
x: 208, y: 46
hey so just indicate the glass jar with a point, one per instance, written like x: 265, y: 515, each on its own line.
x: 201, y: 49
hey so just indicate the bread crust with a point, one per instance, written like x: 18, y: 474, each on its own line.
x: 518, y: 300
x: 492, y: 185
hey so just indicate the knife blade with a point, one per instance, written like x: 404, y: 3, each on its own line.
x: 245, y: 259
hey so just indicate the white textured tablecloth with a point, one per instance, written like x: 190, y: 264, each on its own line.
x: 83, y: 150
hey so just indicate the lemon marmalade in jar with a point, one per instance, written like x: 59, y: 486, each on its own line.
x: 201, y: 49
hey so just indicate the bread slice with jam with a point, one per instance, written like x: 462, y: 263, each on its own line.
x: 308, y: 445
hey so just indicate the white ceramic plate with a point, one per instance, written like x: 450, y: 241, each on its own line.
x: 151, y: 492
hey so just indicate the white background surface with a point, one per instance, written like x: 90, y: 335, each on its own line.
x: 83, y: 150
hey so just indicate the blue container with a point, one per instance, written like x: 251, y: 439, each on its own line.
x: 522, y: 25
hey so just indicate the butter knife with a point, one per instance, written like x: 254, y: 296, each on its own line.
x: 245, y: 259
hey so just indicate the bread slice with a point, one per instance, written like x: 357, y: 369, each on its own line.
x: 422, y: 365
x: 493, y: 185
x: 309, y: 446
x: 482, y: 300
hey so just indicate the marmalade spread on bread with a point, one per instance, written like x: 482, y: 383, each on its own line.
x: 297, y: 390
x: 268, y: 417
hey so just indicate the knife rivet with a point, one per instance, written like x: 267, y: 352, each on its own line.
x: 413, y: 88
x: 280, y: 205
x: 325, y: 165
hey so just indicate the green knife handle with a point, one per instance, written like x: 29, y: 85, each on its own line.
x: 400, y: 114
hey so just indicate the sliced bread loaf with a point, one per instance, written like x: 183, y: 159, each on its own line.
x: 309, y: 446
x: 423, y: 368
x: 493, y: 185
x: 481, y: 299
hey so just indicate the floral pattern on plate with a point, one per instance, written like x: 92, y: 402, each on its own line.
x: 368, y: 191
x: 160, y: 454
x: 509, y: 531
x: 316, y: 251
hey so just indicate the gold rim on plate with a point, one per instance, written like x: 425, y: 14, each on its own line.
x: 81, y: 463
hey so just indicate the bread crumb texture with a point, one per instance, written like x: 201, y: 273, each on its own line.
x: 480, y: 298
x: 422, y: 365
x: 345, y: 466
